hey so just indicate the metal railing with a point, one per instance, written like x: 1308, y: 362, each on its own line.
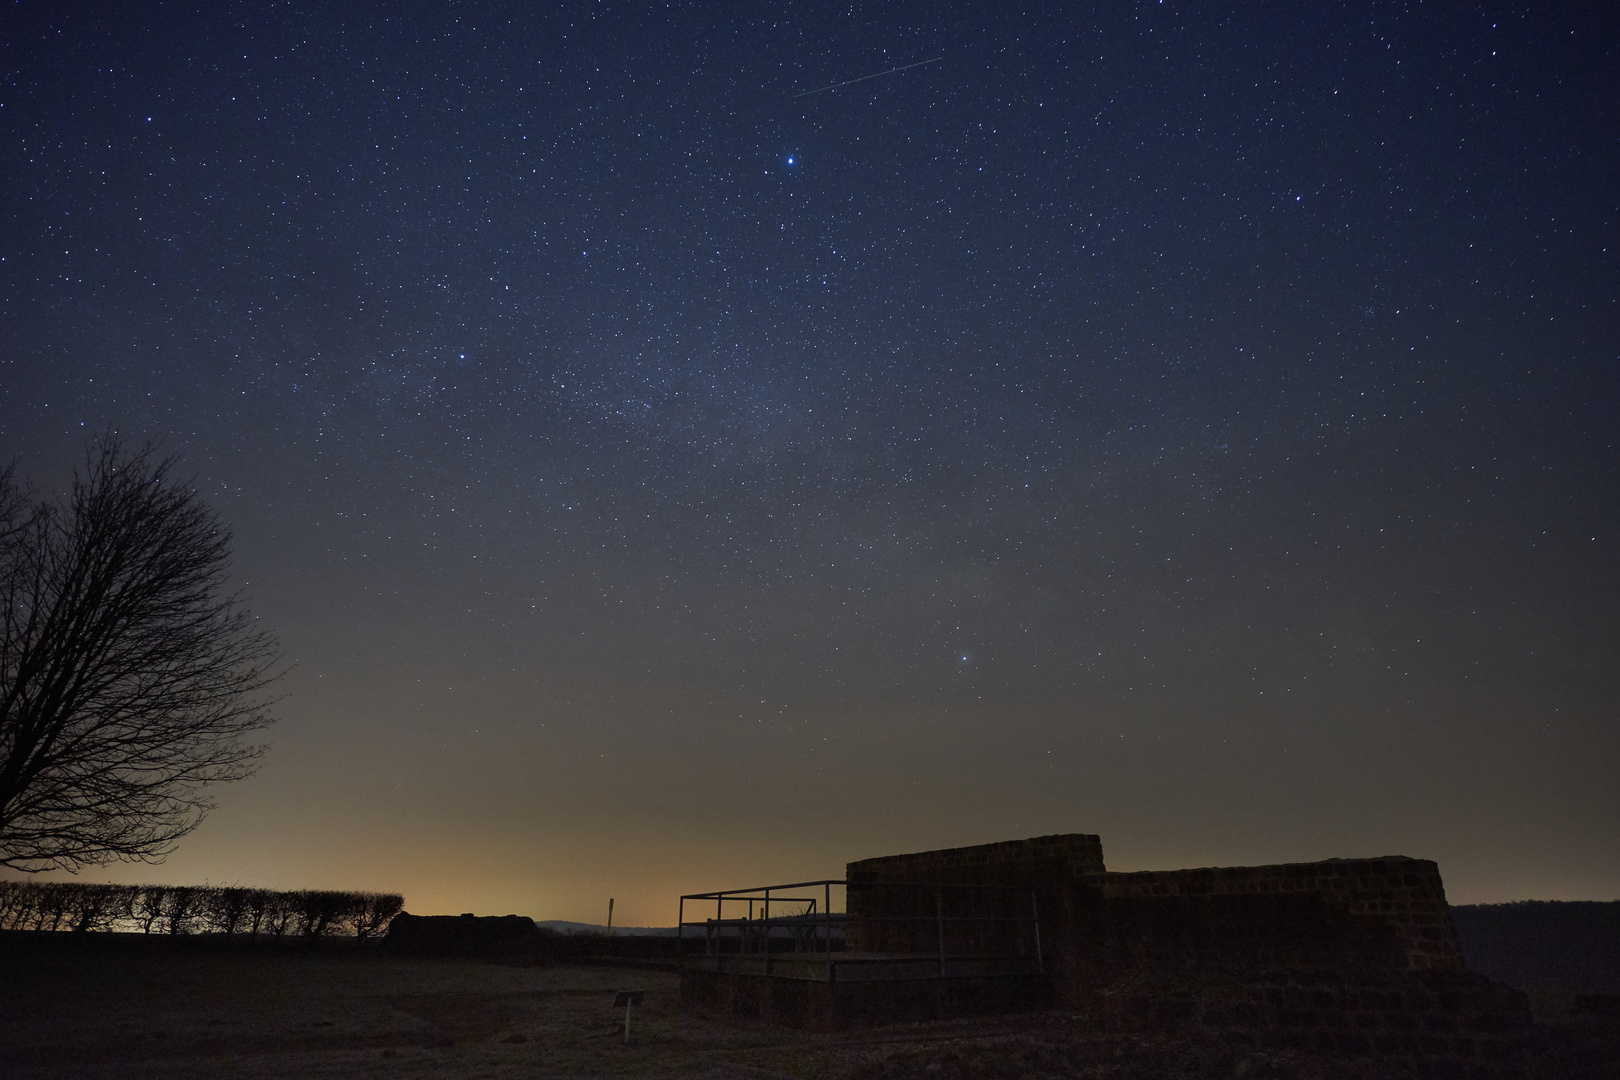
x: 791, y: 931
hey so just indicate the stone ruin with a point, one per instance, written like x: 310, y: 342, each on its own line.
x: 1387, y: 913
x: 1344, y: 957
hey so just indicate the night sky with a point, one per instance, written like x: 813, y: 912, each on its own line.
x: 1196, y: 428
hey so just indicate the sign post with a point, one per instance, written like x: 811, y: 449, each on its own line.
x: 629, y: 999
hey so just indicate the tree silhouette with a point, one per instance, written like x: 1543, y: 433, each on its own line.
x: 372, y: 912
x: 227, y: 908
x: 127, y: 679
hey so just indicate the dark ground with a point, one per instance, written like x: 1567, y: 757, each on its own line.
x: 1544, y: 944
x: 123, y: 1006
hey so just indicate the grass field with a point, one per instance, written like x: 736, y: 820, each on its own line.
x: 148, y: 1009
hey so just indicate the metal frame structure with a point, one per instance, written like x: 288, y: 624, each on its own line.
x: 811, y: 932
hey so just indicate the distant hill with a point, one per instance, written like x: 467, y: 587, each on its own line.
x: 1544, y: 944
x: 562, y: 927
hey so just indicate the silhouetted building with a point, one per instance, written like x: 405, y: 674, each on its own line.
x: 1387, y: 913
x: 1350, y: 957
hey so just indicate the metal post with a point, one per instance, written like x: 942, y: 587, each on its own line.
x: 765, y: 937
x: 1040, y: 960
x: 680, y: 930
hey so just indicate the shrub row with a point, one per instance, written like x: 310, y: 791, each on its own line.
x: 186, y: 909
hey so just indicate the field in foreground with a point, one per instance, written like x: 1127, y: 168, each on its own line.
x: 136, y: 1008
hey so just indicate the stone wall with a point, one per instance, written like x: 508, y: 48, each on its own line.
x: 1112, y: 939
x: 1404, y: 894
x: 893, y: 901
x: 1387, y: 912
x: 1352, y: 958
x: 1008, y: 862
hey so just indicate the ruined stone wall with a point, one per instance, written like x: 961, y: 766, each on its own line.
x: 894, y: 900
x: 1125, y: 938
x: 1097, y: 928
x: 1404, y: 894
x: 1351, y: 957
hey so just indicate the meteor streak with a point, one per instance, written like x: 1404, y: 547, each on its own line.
x: 863, y: 78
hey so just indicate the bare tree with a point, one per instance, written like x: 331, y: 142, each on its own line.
x: 121, y: 910
x: 183, y: 905
x: 127, y: 679
x: 16, y: 901
x: 178, y: 909
x: 226, y: 909
x: 148, y: 906
x: 371, y: 912
x: 99, y: 907
x: 284, y: 907
x: 56, y: 903
x: 321, y: 910
x: 259, y: 904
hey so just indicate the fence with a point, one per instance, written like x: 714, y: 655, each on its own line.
x: 897, y: 930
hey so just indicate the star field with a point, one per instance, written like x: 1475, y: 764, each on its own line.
x: 1195, y: 427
